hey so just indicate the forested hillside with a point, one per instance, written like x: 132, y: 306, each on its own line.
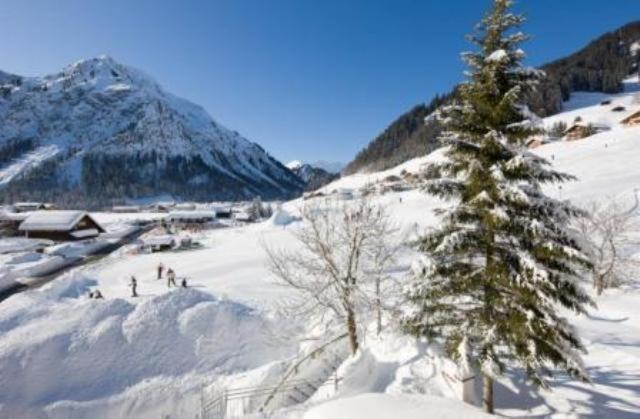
x: 600, y: 66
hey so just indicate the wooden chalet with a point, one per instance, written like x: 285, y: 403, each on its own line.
x: 192, y: 217
x: 579, y: 131
x: 632, y: 120
x: 60, y: 225
x: 535, y: 142
x: 31, y: 206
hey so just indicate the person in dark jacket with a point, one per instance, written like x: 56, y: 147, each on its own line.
x: 160, y: 270
x: 184, y: 282
x: 134, y: 286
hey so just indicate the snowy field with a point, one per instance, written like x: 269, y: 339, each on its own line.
x: 63, y: 355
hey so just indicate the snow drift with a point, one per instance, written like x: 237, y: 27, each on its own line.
x: 59, y: 346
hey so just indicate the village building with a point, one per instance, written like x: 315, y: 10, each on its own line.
x: 125, y: 208
x: 632, y: 120
x: 192, y: 217
x: 579, y: 131
x: 31, y: 206
x: 10, y: 222
x: 163, y: 206
x: 535, y: 142
x: 185, y: 206
x: 223, y: 211
x: 158, y: 243
x: 60, y: 225
x: 243, y: 216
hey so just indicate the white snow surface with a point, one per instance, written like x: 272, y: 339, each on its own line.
x: 69, y: 356
x: 385, y: 406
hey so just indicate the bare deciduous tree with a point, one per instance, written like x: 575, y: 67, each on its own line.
x: 345, y: 249
x: 609, y: 232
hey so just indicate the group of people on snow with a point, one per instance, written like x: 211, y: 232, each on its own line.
x: 170, y: 275
x: 133, y: 283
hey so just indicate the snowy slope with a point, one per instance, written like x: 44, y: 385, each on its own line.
x: 98, y: 122
x: 148, y: 356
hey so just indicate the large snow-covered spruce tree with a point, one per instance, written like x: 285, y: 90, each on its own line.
x: 502, y: 263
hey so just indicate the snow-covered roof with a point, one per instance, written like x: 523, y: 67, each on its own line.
x: 53, y: 220
x: 87, y: 232
x: 630, y: 117
x: 13, y: 216
x: 192, y: 215
x: 159, y: 241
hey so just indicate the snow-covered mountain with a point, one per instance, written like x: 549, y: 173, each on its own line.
x: 314, y: 177
x: 99, y: 130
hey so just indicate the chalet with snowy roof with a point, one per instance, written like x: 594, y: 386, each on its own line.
x: 126, y: 208
x: 632, y: 120
x: 30, y: 206
x: 580, y: 131
x: 535, y: 142
x: 60, y: 225
x: 192, y: 217
x: 10, y: 221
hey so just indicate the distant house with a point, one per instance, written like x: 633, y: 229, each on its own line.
x: 163, y: 206
x: 60, y: 225
x: 579, y: 131
x: 243, y: 216
x: 535, y: 142
x: 10, y: 221
x: 158, y: 243
x: 632, y: 120
x: 30, y: 206
x: 185, y: 206
x: 223, y: 211
x: 192, y: 217
x: 126, y: 208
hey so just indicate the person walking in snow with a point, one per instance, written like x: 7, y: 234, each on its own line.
x: 134, y: 286
x: 160, y: 270
x: 183, y: 283
x: 97, y: 295
x: 171, y: 278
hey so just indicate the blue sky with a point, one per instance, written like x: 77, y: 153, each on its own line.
x: 307, y: 79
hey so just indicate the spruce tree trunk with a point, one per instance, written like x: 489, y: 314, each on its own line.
x: 378, y: 307
x: 351, y: 328
x: 487, y: 393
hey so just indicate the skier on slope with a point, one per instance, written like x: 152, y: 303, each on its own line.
x: 160, y: 270
x: 134, y: 286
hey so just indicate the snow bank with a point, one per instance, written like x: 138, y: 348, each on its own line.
x: 384, y: 406
x: 70, y: 355
x: 22, y: 244
x: 281, y: 218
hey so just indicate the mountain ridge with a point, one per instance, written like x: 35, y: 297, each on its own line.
x: 99, y: 131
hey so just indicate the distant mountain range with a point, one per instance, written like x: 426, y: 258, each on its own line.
x: 600, y: 66
x: 313, y: 177
x: 99, y: 132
